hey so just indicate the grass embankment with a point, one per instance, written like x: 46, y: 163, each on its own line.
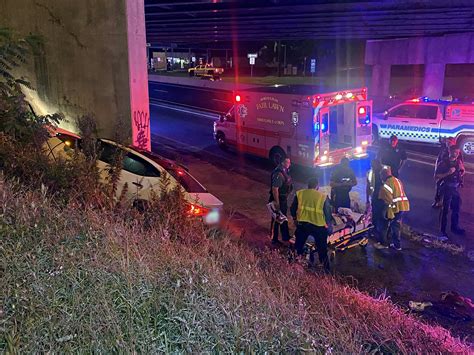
x: 273, y: 80
x: 257, y: 80
x: 81, y: 279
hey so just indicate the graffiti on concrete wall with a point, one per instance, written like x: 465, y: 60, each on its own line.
x: 141, y: 135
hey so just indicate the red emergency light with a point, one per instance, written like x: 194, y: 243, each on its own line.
x: 237, y: 98
x: 362, y: 110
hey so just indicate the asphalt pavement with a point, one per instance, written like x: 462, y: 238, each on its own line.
x: 188, y: 124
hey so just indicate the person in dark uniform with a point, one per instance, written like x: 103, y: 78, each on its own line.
x: 393, y: 155
x: 342, y: 180
x: 374, y: 183
x: 311, y: 211
x: 442, y: 156
x: 451, y: 172
x: 281, y: 186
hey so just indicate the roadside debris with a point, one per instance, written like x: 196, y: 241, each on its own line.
x: 419, y: 306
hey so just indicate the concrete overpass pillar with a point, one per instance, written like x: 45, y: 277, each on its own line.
x: 380, y: 80
x: 93, y: 61
x: 433, y: 82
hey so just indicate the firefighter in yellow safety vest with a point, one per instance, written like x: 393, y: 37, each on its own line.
x: 392, y: 193
x: 311, y: 210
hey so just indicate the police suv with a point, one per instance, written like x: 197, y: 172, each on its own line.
x: 427, y: 121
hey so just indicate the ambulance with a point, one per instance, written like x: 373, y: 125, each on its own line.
x: 314, y: 127
x: 422, y: 120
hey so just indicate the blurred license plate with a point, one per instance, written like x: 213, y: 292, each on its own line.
x: 212, y: 217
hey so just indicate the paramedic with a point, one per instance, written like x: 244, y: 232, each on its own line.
x: 281, y: 186
x: 374, y: 183
x: 450, y: 171
x: 393, y: 155
x: 396, y: 204
x: 311, y: 211
x: 342, y: 180
x: 442, y: 156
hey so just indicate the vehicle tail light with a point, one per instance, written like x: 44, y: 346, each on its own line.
x: 363, y: 115
x: 195, y: 210
x: 238, y: 98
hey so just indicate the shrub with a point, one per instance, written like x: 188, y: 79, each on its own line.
x: 85, y: 280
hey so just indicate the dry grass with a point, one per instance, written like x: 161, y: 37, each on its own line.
x: 78, y: 279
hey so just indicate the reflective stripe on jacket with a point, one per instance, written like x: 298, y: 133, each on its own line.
x: 393, y: 194
x: 311, y: 207
x: 371, y: 180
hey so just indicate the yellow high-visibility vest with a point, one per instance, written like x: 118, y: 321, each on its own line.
x: 393, y: 193
x: 311, y: 207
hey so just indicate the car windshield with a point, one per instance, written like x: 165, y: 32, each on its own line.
x: 186, y: 180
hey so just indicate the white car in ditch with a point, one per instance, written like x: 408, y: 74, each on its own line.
x: 142, y: 172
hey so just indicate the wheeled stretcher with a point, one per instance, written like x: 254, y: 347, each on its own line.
x: 350, y: 229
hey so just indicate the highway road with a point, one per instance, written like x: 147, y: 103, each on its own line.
x: 192, y: 127
x: 418, y: 273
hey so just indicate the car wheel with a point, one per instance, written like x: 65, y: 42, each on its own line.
x: 277, y: 155
x: 191, y: 73
x: 467, y: 146
x: 220, y: 139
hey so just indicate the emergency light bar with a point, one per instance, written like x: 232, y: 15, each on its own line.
x: 444, y: 99
x: 340, y: 97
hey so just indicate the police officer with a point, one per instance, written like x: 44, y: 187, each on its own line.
x: 450, y: 171
x: 443, y: 154
x: 281, y: 186
x: 374, y: 183
x: 342, y: 180
x: 311, y: 211
x: 396, y: 204
x: 393, y: 155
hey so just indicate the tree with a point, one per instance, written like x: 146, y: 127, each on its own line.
x: 17, y: 118
x: 14, y: 52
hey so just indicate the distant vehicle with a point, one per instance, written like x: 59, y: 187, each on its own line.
x: 206, y: 71
x: 142, y: 172
x: 427, y: 121
x: 312, y: 126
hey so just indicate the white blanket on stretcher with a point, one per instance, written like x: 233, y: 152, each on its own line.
x: 343, y: 216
